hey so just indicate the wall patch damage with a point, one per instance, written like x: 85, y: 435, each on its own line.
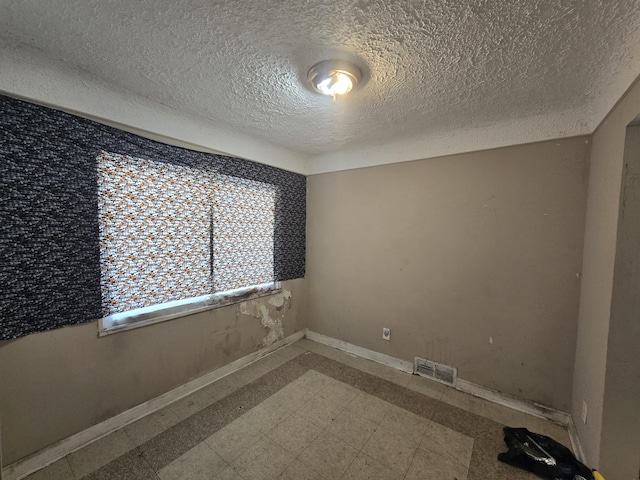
x: 271, y: 314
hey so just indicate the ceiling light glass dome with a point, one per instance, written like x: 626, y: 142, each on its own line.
x: 334, y: 77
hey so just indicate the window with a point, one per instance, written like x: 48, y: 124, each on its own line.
x: 177, y: 239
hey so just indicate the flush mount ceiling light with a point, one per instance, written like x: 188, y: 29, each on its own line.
x: 334, y: 77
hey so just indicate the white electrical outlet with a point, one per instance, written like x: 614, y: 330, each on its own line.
x: 386, y: 333
x: 584, y: 412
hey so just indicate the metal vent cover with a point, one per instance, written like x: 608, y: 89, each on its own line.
x: 435, y: 371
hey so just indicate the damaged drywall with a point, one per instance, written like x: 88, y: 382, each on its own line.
x: 281, y: 300
x: 271, y: 311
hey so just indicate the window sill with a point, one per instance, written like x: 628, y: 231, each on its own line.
x: 109, y: 326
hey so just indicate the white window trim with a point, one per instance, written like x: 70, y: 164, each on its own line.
x: 142, y: 317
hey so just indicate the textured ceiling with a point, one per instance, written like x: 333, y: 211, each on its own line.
x: 434, y: 69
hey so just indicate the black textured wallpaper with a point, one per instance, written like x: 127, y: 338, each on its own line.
x: 49, y: 252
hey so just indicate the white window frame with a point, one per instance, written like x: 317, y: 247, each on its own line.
x: 142, y: 317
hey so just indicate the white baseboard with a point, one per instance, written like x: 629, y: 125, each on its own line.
x: 61, y: 449
x: 515, y: 403
x: 541, y: 411
x: 48, y: 455
x: 387, y: 360
x: 575, y: 441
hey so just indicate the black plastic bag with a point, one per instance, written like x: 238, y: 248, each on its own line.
x: 541, y: 455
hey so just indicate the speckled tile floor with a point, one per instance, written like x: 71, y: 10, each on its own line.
x: 310, y: 412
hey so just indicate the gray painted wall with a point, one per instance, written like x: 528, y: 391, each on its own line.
x: 448, y: 252
x: 606, y: 168
x: 57, y: 383
x: 472, y: 260
x: 620, y: 442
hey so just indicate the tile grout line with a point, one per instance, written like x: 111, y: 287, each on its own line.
x: 136, y: 447
x: 363, y: 445
x: 339, y: 372
x: 324, y: 429
x: 266, y: 434
x: 416, y: 452
x: 438, y: 404
x: 448, y: 454
x: 184, y: 422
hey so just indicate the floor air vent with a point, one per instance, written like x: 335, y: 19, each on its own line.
x: 434, y: 371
